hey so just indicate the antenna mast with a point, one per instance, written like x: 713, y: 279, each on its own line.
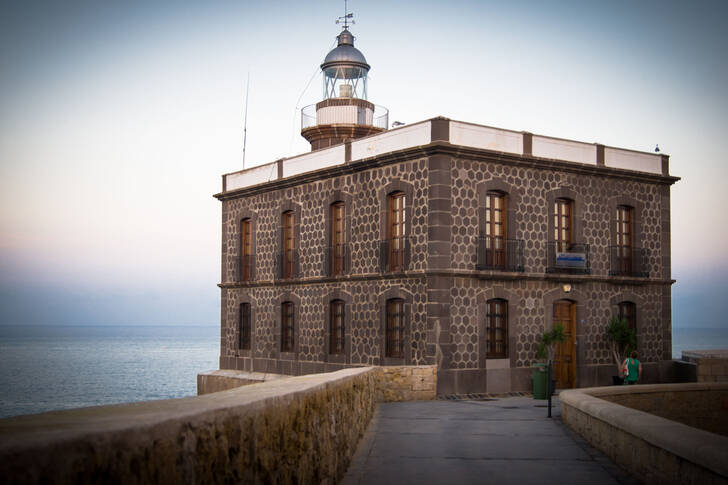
x: 245, y: 123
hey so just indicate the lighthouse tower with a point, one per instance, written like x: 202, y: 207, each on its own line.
x: 344, y: 113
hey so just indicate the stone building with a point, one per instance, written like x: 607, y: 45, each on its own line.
x: 441, y: 242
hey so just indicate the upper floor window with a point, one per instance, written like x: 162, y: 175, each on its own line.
x: 338, y: 238
x: 496, y: 329
x: 246, y: 250
x: 396, y: 231
x: 336, y: 333
x: 563, y: 224
x: 624, y: 233
x: 287, y: 327
x: 244, y: 327
x: 395, y: 328
x: 495, y: 229
x: 289, y: 244
x: 628, y: 311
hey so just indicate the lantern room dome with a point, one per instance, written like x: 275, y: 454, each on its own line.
x: 345, y: 54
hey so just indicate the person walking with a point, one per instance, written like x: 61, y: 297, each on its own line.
x: 634, y: 368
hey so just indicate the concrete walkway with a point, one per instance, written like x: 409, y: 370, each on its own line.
x: 503, y: 441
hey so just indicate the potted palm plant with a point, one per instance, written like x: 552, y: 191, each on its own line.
x: 622, y: 341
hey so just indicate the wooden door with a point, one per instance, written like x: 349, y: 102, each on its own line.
x: 565, y: 358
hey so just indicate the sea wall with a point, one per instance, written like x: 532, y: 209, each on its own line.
x: 295, y: 430
x: 652, y: 448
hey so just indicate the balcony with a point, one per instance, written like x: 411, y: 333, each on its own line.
x: 567, y: 258
x: 498, y: 254
x: 394, y: 254
x: 337, y: 260
x: 628, y: 261
x: 286, y: 266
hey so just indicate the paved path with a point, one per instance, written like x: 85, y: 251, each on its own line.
x: 503, y: 441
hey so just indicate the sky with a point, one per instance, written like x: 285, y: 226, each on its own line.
x: 117, y: 120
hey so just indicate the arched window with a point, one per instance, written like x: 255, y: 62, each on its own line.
x: 289, y: 245
x: 496, y: 329
x: 396, y: 231
x: 337, y: 336
x: 244, y: 327
x: 563, y: 224
x: 287, y: 327
x: 338, y: 238
x: 628, y: 311
x: 495, y: 230
x: 246, y: 249
x: 395, y: 328
x: 625, y: 237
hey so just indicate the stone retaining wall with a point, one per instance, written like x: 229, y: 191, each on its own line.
x: 712, y: 364
x: 650, y: 447
x: 222, y: 380
x: 394, y: 383
x: 295, y: 430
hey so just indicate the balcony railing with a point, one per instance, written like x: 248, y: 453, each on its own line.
x: 567, y: 258
x: 336, y: 260
x: 244, y: 268
x: 287, y: 264
x: 394, y: 254
x: 498, y: 254
x: 628, y: 261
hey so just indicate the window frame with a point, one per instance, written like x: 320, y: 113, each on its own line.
x: 396, y: 229
x: 288, y: 329
x: 338, y: 237
x: 395, y: 335
x: 288, y: 221
x: 337, y: 327
x: 495, y: 231
x: 244, y: 326
x: 491, y: 330
x: 563, y: 223
x: 246, y: 249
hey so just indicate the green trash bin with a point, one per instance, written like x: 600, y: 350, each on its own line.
x: 540, y: 378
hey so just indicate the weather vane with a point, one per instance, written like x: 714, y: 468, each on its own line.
x: 348, y: 16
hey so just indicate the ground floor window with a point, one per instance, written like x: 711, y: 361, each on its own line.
x: 496, y: 329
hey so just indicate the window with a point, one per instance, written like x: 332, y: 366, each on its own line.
x: 495, y: 230
x: 496, y: 329
x: 628, y: 311
x: 563, y: 224
x: 246, y: 250
x: 336, y: 332
x: 338, y: 238
x: 287, y: 327
x: 396, y: 231
x: 625, y: 234
x: 395, y: 328
x: 289, y: 244
x: 244, y: 327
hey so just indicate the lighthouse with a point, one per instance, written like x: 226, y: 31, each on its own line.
x: 344, y: 113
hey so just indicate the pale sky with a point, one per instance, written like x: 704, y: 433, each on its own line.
x: 117, y: 121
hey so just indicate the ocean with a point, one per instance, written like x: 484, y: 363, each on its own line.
x: 45, y: 368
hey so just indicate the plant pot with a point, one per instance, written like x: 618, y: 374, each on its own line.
x: 617, y: 380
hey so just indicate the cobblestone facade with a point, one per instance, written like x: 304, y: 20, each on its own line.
x: 444, y: 294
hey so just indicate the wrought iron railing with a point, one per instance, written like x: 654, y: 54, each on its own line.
x: 499, y: 254
x: 287, y: 264
x: 394, y: 254
x: 628, y: 261
x: 336, y: 260
x: 570, y: 258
